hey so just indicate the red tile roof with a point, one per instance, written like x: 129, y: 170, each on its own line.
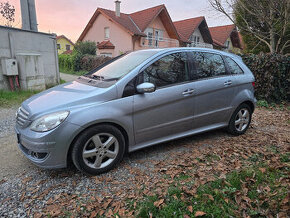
x: 64, y: 37
x: 144, y: 18
x: 124, y: 20
x: 220, y: 34
x: 136, y: 22
x: 105, y: 45
x: 185, y: 28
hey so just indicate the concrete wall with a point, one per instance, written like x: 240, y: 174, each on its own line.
x: 20, y: 44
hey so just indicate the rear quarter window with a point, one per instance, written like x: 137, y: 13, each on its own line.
x: 233, y: 67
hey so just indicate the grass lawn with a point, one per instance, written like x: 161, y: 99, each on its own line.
x: 77, y: 73
x: 8, y: 98
x: 257, y: 192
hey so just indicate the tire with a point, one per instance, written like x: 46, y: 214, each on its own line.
x: 240, y: 120
x: 98, y: 149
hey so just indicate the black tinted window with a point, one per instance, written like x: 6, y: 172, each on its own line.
x: 233, y: 66
x: 168, y: 70
x: 206, y: 65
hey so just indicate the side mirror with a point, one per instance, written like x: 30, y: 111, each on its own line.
x: 146, y: 88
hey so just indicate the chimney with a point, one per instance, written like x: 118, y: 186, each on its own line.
x: 28, y: 14
x: 118, y: 8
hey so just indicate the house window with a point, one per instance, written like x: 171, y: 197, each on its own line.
x: 58, y: 46
x: 107, y: 32
x: 149, y: 33
x: 227, y: 44
x: 150, y: 38
x: 67, y: 47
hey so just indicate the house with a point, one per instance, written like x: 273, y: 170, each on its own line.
x: 226, y: 38
x: 64, y: 45
x: 194, y: 32
x: 116, y: 32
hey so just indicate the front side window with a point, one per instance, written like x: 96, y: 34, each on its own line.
x: 168, y: 70
x: 121, y: 66
x: 205, y: 65
x: 58, y: 46
x: 67, y: 47
x: 233, y: 67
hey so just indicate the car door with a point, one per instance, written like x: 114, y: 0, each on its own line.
x: 169, y: 110
x: 214, y: 90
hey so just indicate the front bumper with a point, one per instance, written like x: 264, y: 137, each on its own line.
x: 48, y: 149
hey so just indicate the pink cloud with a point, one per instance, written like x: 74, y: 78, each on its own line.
x: 69, y: 17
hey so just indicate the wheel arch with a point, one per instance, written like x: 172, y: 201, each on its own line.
x: 118, y: 126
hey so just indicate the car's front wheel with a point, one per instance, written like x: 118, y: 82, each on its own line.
x: 98, y: 149
x: 240, y: 120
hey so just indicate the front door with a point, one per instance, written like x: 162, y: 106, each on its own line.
x: 169, y: 110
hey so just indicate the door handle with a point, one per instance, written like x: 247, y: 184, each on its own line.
x: 228, y: 83
x: 188, y: 92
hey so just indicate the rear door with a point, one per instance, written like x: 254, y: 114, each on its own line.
x: 168, y: 110
x: 214, y: 90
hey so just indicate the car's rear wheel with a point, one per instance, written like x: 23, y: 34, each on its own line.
x: 98, y: 149
x: 240, y: 120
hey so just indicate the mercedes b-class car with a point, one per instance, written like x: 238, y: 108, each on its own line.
x: 133, y: 101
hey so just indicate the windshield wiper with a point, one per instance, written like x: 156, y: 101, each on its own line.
x: 95, y: 77
x: 111, y: 79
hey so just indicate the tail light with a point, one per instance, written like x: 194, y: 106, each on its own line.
x: 253, y: 84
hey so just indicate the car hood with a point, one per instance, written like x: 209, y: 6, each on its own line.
x: 65, y: 96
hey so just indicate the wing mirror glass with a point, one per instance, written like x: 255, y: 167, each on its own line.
x: 146, y: 88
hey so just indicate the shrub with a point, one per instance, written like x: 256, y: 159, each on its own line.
x: 86, y: 48
x: 90, y: 62
x: 272, y: 72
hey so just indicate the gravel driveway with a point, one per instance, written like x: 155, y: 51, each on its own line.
x: 27, y: 190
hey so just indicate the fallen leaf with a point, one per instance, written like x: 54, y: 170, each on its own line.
x: 190, y: 209
x: 199, y: 213
x: 158, y: 203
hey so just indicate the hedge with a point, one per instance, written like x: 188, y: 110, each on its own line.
x: 272, y: 72
x: 77, y: 62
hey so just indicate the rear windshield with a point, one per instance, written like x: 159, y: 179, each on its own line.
x: 121, y: 66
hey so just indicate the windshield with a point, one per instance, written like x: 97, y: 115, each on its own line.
x: 122, y: 66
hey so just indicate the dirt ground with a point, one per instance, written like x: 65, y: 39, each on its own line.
x: 28, y: 190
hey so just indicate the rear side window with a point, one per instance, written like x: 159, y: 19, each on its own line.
x: 168, y: 70
x: 205, y: 65
x: 234, y: 68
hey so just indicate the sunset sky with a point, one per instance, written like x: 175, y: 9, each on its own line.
x: 69, y: 17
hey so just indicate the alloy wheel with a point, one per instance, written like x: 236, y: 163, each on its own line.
x: 100, y: 150
x: 242, y: 119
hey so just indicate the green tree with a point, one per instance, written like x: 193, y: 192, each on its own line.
x: 86, y: 48
x: 265, y: 24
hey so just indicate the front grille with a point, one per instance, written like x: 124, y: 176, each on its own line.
x: 22, y: 117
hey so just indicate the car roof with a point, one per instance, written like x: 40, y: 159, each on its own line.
x: 165, y: 50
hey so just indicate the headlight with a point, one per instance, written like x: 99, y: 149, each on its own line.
x: 49, y: 122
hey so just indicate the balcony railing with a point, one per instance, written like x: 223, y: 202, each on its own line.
x: 155, y: 42
x: 200, y: 45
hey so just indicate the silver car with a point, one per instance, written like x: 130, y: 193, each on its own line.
x: 135, y: 101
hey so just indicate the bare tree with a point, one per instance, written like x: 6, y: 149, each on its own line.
x: 7, y: 12
x: 266, y: 20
